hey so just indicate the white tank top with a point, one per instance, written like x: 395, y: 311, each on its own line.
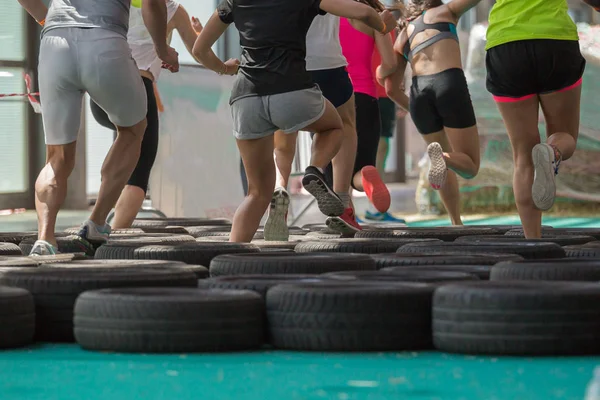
x: 140, y: 41
x: 323, y: 48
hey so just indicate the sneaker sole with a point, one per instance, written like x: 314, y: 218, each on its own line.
x: 340, y: 226
x: 276, y: 229
x: 375, y: 188
x: 543, y: 190
x: 438, y: 171
x: 329, y: 203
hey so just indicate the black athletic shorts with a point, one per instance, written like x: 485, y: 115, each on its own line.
x: 387, y: 110
x: 335, y: 84
x: 441, y: 100
x: 523, y: 69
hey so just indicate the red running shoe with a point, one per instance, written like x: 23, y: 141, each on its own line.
x: 376, y: 190
x: 345, y: 224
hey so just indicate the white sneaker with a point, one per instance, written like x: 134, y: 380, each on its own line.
x: 43, y: 248
x: 545, y: 169
x: 276, y: 228
x: 93, y: 233
x: 438, y: 171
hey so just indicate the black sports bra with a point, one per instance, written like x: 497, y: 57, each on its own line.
x: 447, y: 31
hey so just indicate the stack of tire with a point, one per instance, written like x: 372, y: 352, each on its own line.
x: 178, y: 285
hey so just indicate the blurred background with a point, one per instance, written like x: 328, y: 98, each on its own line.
x: 197, y: 172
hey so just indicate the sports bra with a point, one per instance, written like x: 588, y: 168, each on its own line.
x: 447, y: 31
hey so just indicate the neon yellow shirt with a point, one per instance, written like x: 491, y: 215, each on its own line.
x: 513, y: 20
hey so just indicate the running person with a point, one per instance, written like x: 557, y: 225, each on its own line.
x: 533, y: 59
x: 84, y: 49
x: 388, y: 115
x: 328, y: 67
x: 440, y: 103
x: 275, y: 92
x: 358, y: 45
x: 149, y: 65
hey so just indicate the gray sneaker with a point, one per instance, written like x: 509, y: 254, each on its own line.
x: 92, y: 236
x: 545, y: 167
x: 43, y: 248
x: 276, y: 228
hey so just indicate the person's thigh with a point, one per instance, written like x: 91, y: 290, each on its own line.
x: 521, y: 122
x: 61, y: 95
x: 257, y: 156
x: 112, y: 78
x: 562, y: 111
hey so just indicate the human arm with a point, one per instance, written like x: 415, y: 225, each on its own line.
x: 385, y: 47
x: 459, y: 7
x: 394, y: 84
x: 36, y: 8
x: 154, y: 13
x: 202, y: 50
x: 188, y: 28
x: 383, y: 22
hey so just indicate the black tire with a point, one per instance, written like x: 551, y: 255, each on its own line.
x: 547, y: 270
x: 575, y: 252
x: 196, y: 253
x: 315, y: 227
x: 525, y: 250
x: 447, y: 233
x: 480, y: 271
x: 15, y: 262
x: 10, y: 249
x: 405, y: 275
x: 350, y: 316
x: 151, y: 238
x: 55, y: 290
x: 383, y: 226
x: 185, y: 222
x: 286, y: 263
x: 16, y: 237
x: 152, y: 320
x: 17, y: 317
x: 67, y: 244
x: 264, y: 244
x: 593, y: 232
x: 198, y: 270
x: 200, y: 231
x: 213, y: 239
x: 561, y: 240
x: 257, y: 283
x: 203, y: 234
x: 364, y: 246
x: 130, y: 231
x: 124, y: 249
x: 171, y: 230
x: 325, y: 235
x: 408, y: 259
x: 517, y: 318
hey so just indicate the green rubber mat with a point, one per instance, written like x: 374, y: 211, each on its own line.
x: 556, y: 222
x: 65, y: 372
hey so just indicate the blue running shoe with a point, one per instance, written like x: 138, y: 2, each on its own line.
x: 383, y: 217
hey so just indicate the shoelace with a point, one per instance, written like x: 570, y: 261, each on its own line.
x: 557, y: 159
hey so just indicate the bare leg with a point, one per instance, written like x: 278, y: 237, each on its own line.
x: 257, y: 155
x: 561, y: 111
x: 382, y: 152
x: 521, y: 121
x: 285, y: 150
x: 343, y: 162
x: 117, y: 168
x: 51, y: 188
x: 328, y: 137
x: 449, y: 192
x: 128, y: 206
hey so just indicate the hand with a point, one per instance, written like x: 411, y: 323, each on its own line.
x: 390, y: 22
x: 170, y: 58
x: 196, y: 25
x: 232, y: 66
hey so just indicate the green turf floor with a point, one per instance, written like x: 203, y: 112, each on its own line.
x: 556, y: 222
x: 65, y: 372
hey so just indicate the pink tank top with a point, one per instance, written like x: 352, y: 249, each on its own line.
x: 358, y: 49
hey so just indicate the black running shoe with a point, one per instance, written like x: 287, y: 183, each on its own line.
x: 329, y: 203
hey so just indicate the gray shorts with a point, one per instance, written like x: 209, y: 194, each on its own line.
x: 97, y: 61
x: 259, y: 116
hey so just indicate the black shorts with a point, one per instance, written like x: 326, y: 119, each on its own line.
x: 523, y: 69
x: 387, y: 110
x: 441, y: 100
x: 335, y: 85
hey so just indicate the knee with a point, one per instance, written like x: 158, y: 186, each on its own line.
x: 261, y: 196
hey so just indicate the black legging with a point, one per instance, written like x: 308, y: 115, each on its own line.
x: 141, y: 174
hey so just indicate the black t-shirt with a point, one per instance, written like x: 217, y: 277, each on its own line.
x: 273, y: 41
